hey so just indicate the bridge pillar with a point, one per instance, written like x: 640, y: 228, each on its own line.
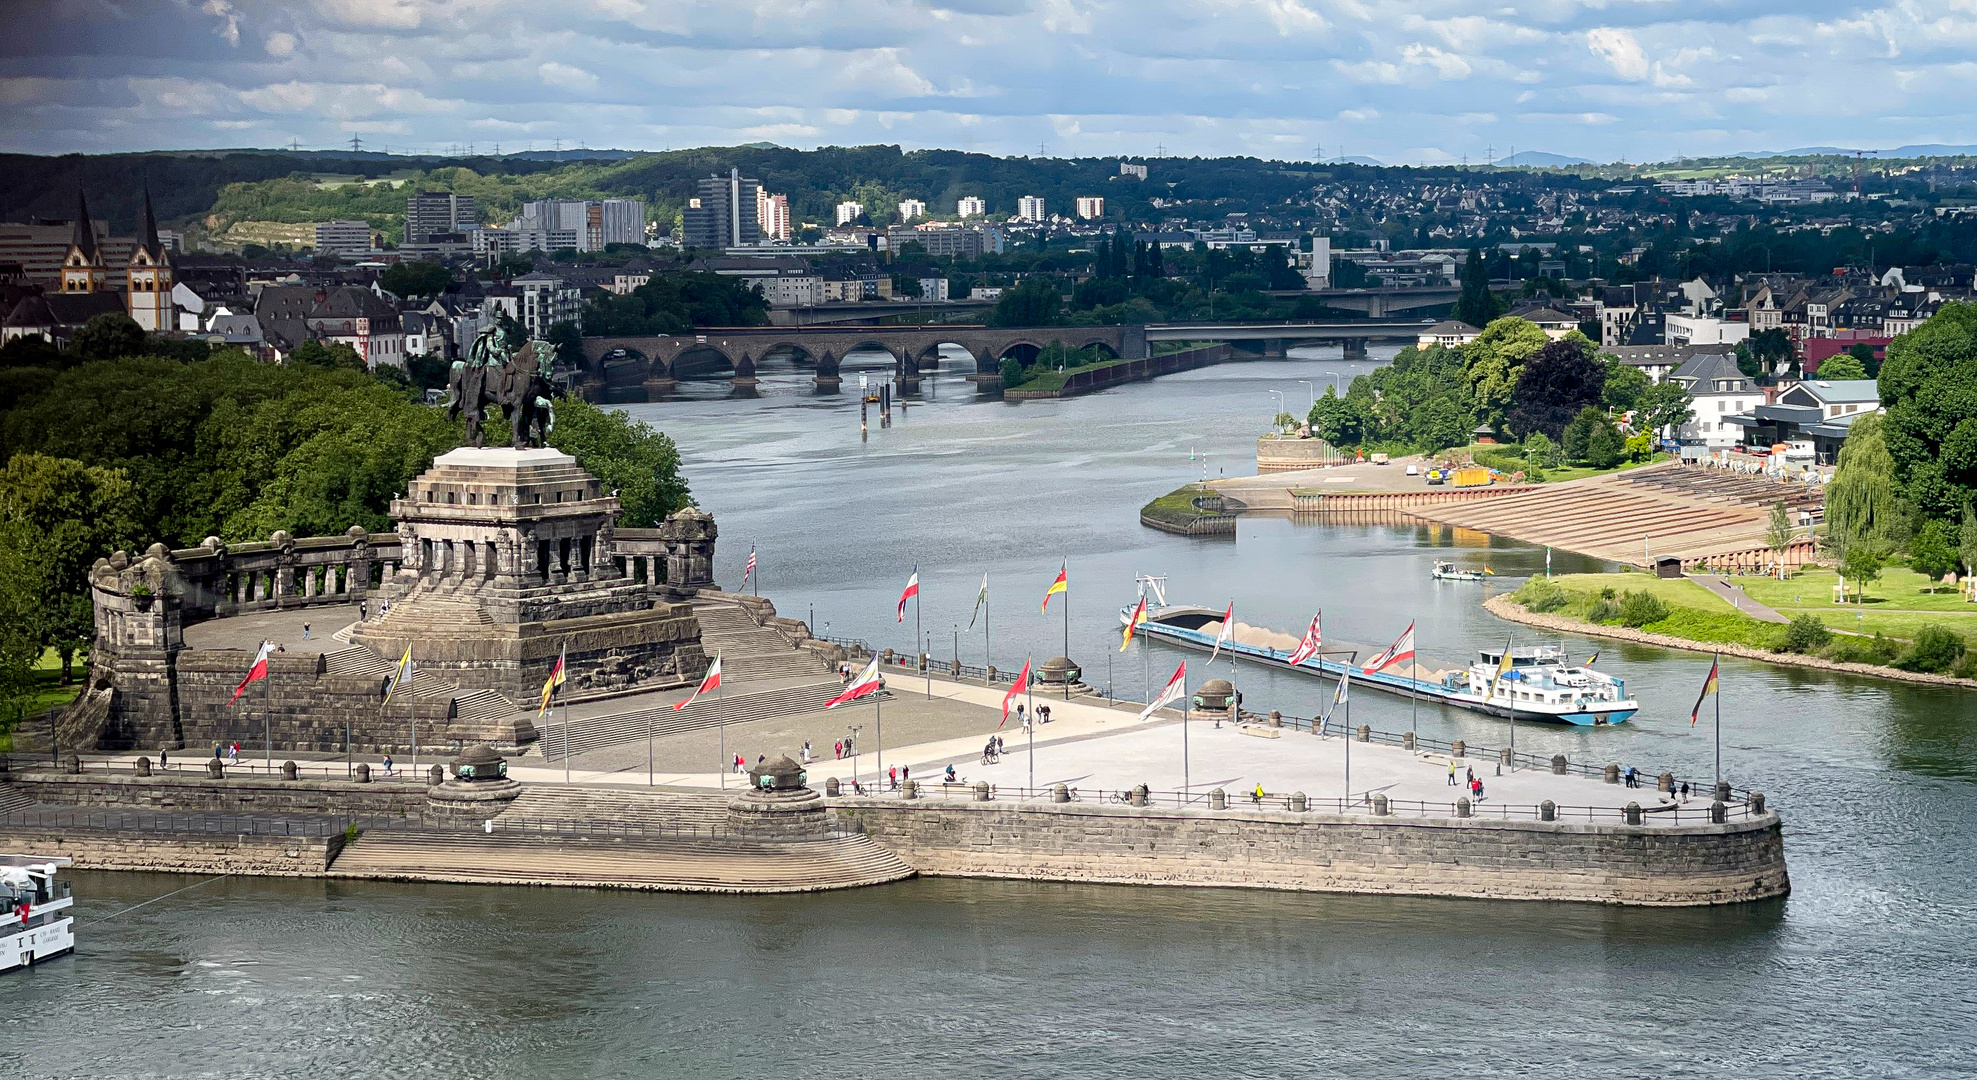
x: 745, y: 371
x: 659, y: 380
x: 1376, y: 306
x: 1355, y: 348
x: 1274, y: 349
x: 988, y: 370
x: 827, y: 372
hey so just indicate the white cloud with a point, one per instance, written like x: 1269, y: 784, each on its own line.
x: 229, y: 28
x: 280, y: 44
x: 566, y: 75
x: 1619, y: 49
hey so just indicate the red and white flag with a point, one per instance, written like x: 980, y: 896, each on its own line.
x: 912, y: 590
x: 750, y: 572
x: 1400, y: 651
x: 1175, y: 690
x: 1022, y: 683
x: 867, y: 682
x: 711, y: 681
x: 1226, y: 634
x: 256, y: 672
x: 1307, y: 648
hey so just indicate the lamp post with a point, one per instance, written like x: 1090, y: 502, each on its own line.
x: 1280, y: 406
x: 1310, y: 394
x: 1336, y: 389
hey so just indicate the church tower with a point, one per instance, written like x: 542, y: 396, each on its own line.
x: 148, y: 277
x: 82, y: 269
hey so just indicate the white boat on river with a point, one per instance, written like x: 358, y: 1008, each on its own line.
x: 1538, y: 685
x: 35, y: 923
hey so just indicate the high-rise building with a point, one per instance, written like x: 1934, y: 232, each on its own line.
x: 772, y: 215
x: 1090, y: 207
x: 1137, y: 172
x: 848, y: 211
x: 1030, y: 208
x: 725, y: 216
x: 343, y: 237
x: 970, y: 206
x: 911, y: 208
x: 621, y: 221
x: 428, y: 213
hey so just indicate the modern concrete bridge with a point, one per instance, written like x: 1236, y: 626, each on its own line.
x: 1273, y: 338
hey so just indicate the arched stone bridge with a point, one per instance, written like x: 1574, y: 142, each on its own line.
x: 657, y: 363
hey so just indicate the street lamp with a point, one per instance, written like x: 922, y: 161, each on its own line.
x: 1336, y: 389
x: 1280, y: 406
x: 1310, y: 393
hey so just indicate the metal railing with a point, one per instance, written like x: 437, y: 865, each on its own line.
x: 192, y: 765
x: 214, y: 823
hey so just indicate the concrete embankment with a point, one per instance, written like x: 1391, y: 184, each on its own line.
x: 1504, y: 607
x: 1087, y: 380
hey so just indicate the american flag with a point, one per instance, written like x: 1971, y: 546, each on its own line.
x: 750, y: 572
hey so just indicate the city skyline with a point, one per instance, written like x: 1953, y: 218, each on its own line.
x: 1403, y: 84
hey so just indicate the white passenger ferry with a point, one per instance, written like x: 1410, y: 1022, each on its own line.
x: 1539, y: 685
x: 35, y: 923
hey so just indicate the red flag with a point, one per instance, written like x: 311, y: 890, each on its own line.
x: 255, y: 672
x: 710, y: 681
x: 1175, y: 690
x: 912, y: 590
x: 1227, y: 633
x: 1307, y: 648
x: 866, y: 682
x: 1402, y: 649
x: 1017, y: 687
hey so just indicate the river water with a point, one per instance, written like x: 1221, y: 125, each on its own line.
x: 1868, y: 969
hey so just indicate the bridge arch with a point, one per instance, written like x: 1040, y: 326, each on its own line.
x: 699, y: 359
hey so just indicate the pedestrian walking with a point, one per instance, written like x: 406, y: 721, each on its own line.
x: 1451, y: 773
x: 163, y: 762
x: 837, y: 750
x: 892, y: 778
x: 363, y: 611
x: 806, y: 751
x: 905, y: 773
x: 1044, y: 713
x: 305, y: 631
x: 387, y: 764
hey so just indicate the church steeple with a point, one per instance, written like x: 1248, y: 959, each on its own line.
x: 82, y: 268
x: 147, y: 229
x: 148, y: 276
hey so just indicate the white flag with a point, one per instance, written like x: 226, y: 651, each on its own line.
x: 1175, y: 690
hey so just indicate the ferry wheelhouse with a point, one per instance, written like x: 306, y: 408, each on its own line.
x: 35, y: 923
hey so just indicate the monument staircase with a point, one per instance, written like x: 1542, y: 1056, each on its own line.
x: 12, y: 799
x: 471, y: 704
x: 595, y: 732
x: 749, y: 650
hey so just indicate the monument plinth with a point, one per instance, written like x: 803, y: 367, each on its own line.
x: 507, y: 565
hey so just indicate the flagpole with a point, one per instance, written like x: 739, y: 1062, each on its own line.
x: 1413, y: 686
x: 1716, y: 666
x: 1348, y: 741
x: 1187, y: 779
x: 988, y: 661
x: 566, y: 740
x: 268, y: 714
x: 1067, y: 637
x: 648, y: 748
x: 1030, y: 688
x: 917, y: 634
x: 879, y: 722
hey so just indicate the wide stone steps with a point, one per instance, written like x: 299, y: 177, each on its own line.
x: 620, y: 728
x: 12, y: 799
x: 749, y: 651
x: 655, y: 810
x: 692, y: 866
x: 479, y: 704
x: 363, y: 660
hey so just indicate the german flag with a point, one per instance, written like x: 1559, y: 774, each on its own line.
x: 556, y: 677
x: 1061, y: 585
x: 1708, y: 688
x: 1132, y: 623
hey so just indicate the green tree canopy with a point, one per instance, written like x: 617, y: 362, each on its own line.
x: 1336, y: 420
x: 57, y: 517
x: 1843, y: 366
x: 1477, y: 305
x: 640, y: 463
x: 1035, y: 302
x: 1863, y: 506
x: 1554, y: 384
x: 416, y: 278
x: 1929, y: 388
x: 108, y: 336
x: 1625, y: 386
x: 1422, y: 399
x: 1495, y: 360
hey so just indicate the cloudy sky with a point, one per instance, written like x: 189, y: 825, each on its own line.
x: 1428, y: 80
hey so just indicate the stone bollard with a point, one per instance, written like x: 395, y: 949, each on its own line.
x: 1462, y: 807
x: 1633, y: 813
x: 1459, y: 750
x: 992, y: 673
x: 1407, y: 741
x: 910, y: 789
x: 1297, y: 803
x: 73, y: 765
x: 215, y: 769
x: 1612, y: 774
x: 886, y: 657
x: 363, y: 772
x: 1505, y: 756
x: 436, y: 775
x: 1138, y: 796
x: 1723, y: 791
x: 144, y: 766
x: 1665, y: 782
x: 981, y: 791
x: 1060, y: 793
x: 288, y: 770
x: 1547, y: 811
x: 1276, y: 718
x: 1757, y: 802
x: 1365, y: 733
x: 1379, y: 806
x: 1558, y: 765
x: 1218, y: 799
x: 1718, y: 813
x: 832, y: 788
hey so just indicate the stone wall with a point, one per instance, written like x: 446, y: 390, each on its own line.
x: 261, y: 856
x: 1524, y: 860
x: 232, y: 795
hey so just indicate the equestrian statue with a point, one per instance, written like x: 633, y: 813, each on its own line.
x: 515, y: 379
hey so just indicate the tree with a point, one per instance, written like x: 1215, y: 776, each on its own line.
x: 1477, y: 305
x: 1557, y: 382
x: 1843, y: 366
x: 1605, y: 447
x: 1494, y: 362
x: 636, y: 460
x: 1336, y: 420
x: 1014, y: 374
x: 1540, y: 451
x: 1929, y: 387
x: 1778, y: 533
x: 57, y: 517
x: 568, y: 341
x: 1663, y: 405
x: 1966, y: 543
x: 1625, y: 386
x: 1034, y: 302
x: 1862, y: 505
x: 1930, y: 553
x: 1864, y: 353
x: 334, y: 356
x: 31, y: 350
x: 1577, y: 438
x: 1861, y: 563
x: 416, y: 278
x: 108, y: 336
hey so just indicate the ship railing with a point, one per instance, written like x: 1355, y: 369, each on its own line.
x: 1694, y: 812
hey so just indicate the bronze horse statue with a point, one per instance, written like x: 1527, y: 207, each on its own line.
x: 492, y: 374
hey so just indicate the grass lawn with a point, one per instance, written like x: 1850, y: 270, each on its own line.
x: 1897, y: 605
x: 49, y: 691
x: 1552, y: 476
x: 1693, y: 612
x: 1177, y: 506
